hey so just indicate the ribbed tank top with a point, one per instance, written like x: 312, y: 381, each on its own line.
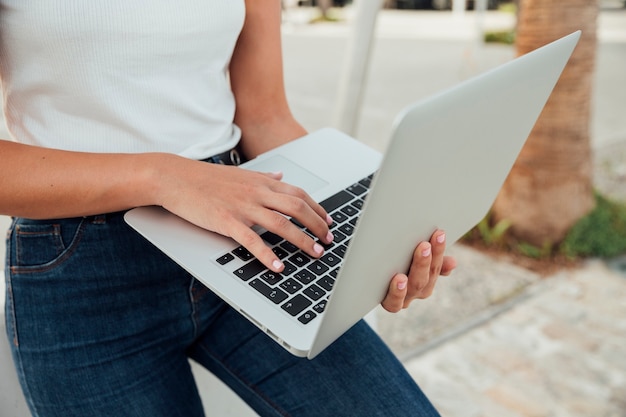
x: 120, y: 76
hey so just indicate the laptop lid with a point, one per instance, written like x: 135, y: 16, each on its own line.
x: 444, y: 166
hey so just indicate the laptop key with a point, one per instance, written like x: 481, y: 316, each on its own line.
x: 319, y: 307
x: 272, y: 278
x: 335, y: 201
x: 347, y: 228
x: 280, y: 252
x: 307, y: 317
x: 291, y: 286
x: 289, y: 268
x: 289, y: 247
x: 271, y: 238
x: 358, y: 203
x: 296, y: 305
x: 317, y: 268
x: 349, y: 210
x: 300, y: 259
x: 243, y: 253
x: 339, y: 217
x: 367, y: 181
x: 341, y: 250
x: 326, y: 282
x: 357, y: 189
x: 274, y: 294
x: 305, y: 276
x: 339, y: 237
x: 223, y: 260
x: 330, y: 259
x: 326, y: 246
x: 249, y: 270
x: 314, y: 292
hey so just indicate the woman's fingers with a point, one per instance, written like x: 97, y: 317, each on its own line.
x: 230, y: 201
x: 427, y: 264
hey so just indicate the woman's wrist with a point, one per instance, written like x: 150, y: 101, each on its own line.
x: 156, y: 180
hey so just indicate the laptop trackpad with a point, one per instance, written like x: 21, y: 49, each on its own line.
x: 292, y: 173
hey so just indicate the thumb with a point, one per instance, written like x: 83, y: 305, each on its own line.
x: 394, y: 300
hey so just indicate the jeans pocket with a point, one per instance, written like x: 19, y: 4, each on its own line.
x: 38, y: 245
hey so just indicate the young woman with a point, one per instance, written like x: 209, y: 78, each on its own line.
x: 117, y: 104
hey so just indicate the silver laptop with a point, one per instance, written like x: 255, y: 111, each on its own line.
x: 445, y: 163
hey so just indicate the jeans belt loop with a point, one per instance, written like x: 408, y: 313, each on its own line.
x: 230, y: 157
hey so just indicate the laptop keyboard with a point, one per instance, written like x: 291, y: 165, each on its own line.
x: 303, y: 288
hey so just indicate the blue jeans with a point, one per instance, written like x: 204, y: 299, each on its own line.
x: 103, y: 324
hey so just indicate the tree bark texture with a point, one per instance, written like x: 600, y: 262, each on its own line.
x: 550, y: 186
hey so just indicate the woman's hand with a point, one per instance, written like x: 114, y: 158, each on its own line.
x: 427, y: 265
x: 230, y: 200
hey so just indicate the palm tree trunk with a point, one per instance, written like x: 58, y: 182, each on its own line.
x: 550, y: 186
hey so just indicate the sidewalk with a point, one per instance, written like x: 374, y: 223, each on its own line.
x: 560, y: 352
x: 495, y: 339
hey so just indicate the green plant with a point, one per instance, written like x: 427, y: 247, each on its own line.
x: 490, y: 235
x: 506, y: 37
x: 493, y: 235
x: 536, y: 252
x: 601, y: 233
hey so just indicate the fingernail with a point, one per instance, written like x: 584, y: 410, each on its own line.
x: 277, y: 264
x: 330, y: 237
x: 329, y: 220
x: 317, y: 248
x: 441, y: 238
x: 402, y: 285
x: 426, y: 252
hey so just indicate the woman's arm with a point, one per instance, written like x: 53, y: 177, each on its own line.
x: 43, y: 183
x: 38, y: 182
x: 256, y: 73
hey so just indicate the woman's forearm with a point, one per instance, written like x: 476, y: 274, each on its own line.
x: 37, y: 182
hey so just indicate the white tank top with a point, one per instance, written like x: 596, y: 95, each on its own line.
x: 120, y: 76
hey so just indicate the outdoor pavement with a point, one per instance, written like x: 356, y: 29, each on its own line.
x: 495, y: 339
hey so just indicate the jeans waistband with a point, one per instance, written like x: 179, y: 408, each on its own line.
x: 230, y: 157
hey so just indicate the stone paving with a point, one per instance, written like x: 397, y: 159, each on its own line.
x: 560, y: 352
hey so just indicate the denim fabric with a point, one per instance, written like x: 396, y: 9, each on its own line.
x: 103, y: 324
